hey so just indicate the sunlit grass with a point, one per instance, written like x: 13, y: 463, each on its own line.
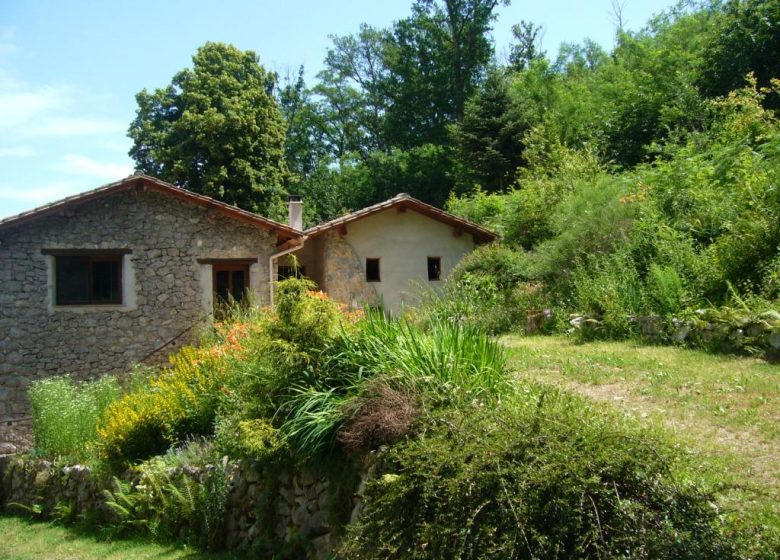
x: 23, y: 539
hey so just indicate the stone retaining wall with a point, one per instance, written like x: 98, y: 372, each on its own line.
x: 302, y: 505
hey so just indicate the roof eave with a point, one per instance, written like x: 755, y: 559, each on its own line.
x: 480, y: 234
x: 141, y: 182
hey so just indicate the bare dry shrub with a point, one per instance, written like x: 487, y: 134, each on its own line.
x: 379, y: 416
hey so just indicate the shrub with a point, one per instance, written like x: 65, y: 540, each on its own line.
x: 313, y: 416
x: 169, y: 503
x: 471, y: 299
x: 248, y: 439
x: 284, y: 351
x: 479, y: 207
x: 553, y: 173
x: 541, y: 475
x: 444, y: 363
x: 665, y: 290
x: 304, y: 316
x: 481, y: 291
x: 497, y: 261
x: 65, y: 414
x: 179, y: 402
x: 608, y: 289
x: 595, y: 219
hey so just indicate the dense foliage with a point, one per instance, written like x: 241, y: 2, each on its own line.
x: 542, y: 475
x: 470, y: 464
x: 695, y: 230
x: 216, y: 129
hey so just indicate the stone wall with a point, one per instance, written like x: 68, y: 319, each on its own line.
x: 166, y: 292
x: 343, y: 277
x: 302, y: 503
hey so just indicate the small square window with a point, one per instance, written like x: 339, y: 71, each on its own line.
x: 434, y: 268
x: 372, y: 270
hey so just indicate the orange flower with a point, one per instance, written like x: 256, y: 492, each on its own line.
x: 318, y: 295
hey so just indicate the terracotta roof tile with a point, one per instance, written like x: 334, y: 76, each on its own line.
x: 140, y: 180
x: 481, y: 235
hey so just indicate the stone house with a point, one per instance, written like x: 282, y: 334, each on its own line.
x: 122, y: 274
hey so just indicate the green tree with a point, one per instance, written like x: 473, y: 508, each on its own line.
x: 216, y: 129
x: 353, y: 88
x: 488, y: 142
x: 468, y: 46
x: 746, y: 39
x: 307, y: 140
x: 527, y: 46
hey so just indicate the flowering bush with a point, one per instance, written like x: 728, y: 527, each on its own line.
x: 179, y: 402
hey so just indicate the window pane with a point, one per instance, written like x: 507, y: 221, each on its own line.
x: 434, y: 268
x: 105, y: 282
x: 285, y: 272
x: 72, y: 279
x: 372, y: 270
x: 239, y: 285
x: 223, y: 284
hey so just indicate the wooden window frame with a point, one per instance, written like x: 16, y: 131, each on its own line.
x: 428, y: 262
x: 229, y: 266
x: 378, y: 269
x: 93, y: 256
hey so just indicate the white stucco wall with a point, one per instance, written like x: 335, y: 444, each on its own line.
x: 403, y: 241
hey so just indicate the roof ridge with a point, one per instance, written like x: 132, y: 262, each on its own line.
x: 424, y: 208
x: 161, y: 186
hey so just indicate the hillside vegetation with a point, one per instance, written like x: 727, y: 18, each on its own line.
x: 635, y: 189
x: 636, y: 193
x: 692, y: 237
x: 469, y: 461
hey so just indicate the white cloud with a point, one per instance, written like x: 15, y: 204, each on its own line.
x: 16, y: 152
x: 41, y: 194
x: 73, y: 126
x: 46, y: 110
x: 7, y: 48
x: 19, y: 106
x: 88, y: 167
x: 7, y: 43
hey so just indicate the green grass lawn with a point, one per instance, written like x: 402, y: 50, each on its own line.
x: 23, y: 539
x: 725, y: 408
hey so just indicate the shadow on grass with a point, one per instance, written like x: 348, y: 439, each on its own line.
x: 20, y: 532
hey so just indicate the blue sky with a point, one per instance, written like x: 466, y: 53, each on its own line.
x: 69, y: 70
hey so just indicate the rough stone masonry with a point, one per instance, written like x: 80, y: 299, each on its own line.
x: 168, y: 291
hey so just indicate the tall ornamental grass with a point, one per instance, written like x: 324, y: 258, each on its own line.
x: 444, y: 360
x: 65, y: 414
x: 444, y: 363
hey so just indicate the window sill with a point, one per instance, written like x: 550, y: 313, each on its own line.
x: 91, y: 308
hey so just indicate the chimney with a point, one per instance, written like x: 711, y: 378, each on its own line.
x: 295, y: 206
